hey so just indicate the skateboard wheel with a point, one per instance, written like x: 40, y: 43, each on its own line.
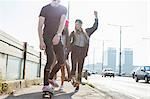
x: 47, y: 95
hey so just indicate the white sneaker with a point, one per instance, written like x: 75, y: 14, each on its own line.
x: 48, y: 88
x: 53, y: 83
x: 61, y: 89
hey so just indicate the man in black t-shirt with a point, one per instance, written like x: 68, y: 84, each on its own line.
x: 52, y: 17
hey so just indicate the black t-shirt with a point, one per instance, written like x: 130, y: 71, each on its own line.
x: 52, y: 18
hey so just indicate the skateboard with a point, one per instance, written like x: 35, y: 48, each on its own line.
x: 47, y: 94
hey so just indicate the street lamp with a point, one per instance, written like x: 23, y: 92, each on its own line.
x: 103, y: 47
x: 93, y: 59
x: 120, y: 26
x: 68, y: 9
x: 103, y: 56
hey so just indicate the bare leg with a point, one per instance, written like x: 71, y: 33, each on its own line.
x: 62, y: 75
x: 68, y: 70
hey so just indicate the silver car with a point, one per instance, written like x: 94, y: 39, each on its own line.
x: 143, y: 73
x: 108, y: 72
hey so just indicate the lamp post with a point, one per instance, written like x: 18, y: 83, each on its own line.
x: 120, y: 48
x: 103, y: 48
x: 68, y: 9
x: 103, y: 56
x: 93, y: 59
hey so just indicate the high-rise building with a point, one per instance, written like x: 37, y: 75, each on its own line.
x: 127, y: 60
x: 110, y: 58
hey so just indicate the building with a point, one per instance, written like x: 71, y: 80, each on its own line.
x: 110, y: 58
x: 127, y: 61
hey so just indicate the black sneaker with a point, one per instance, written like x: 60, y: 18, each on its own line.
x: 82, y: 83
x: 77, y: 89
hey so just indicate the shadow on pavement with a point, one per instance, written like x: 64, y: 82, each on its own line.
x: 144, y: 82
x: 38, y: 95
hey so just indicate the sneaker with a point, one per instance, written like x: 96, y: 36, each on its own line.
x: 53, y: 83
x: 82, y: 83
x: 48, y: 88
x: 66, y: 79
x: 61, y: 89
x: 77, y: 89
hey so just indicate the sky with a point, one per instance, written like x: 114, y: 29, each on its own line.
x: 19, y: 18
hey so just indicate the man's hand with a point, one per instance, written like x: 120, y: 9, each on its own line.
x: 95, y: 14
x: 42, y: 45
x: 56, y: 39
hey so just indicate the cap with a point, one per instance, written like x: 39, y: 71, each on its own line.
x: 67, y: 23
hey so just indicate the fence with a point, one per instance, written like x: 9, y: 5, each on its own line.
x: 18, y: 60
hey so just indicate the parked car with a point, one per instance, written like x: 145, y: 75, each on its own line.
x: 93, y: 72
x: 108, y: 72
x: 143, y: 73
x: 133, y: 72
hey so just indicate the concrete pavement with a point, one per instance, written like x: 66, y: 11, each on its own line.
x: 35, y: 92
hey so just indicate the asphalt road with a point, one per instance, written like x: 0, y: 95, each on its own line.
x: 121, y: 86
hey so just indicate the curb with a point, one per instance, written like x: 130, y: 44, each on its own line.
x: 111, y: 95
x: 103, y: 93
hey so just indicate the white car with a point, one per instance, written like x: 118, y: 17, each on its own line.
x: 108, y: 72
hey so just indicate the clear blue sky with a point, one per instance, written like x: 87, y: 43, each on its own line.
x: 19, y: 18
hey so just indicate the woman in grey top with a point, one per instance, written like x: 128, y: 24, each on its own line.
x: 79, y: 40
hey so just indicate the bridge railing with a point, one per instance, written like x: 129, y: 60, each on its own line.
x: 18, y: 60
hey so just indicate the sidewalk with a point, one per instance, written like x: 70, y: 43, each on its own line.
x: 35, y: 92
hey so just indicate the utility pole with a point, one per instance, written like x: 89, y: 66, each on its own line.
x: 103, y: 56
x: 103, y: 49
x: 93, y: 59
x: 68, y: 9
x: 120, y: 48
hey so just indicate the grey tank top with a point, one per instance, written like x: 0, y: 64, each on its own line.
x: 80, y: 39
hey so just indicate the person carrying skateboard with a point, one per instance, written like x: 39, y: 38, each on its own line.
x: 51, y: 24
x: 79, y: 40
x: 65, y: 42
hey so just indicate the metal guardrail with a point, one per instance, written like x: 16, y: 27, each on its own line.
x: 11, y: 45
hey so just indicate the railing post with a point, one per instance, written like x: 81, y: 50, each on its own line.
x: 24, y: 59
x: 40, y: 63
